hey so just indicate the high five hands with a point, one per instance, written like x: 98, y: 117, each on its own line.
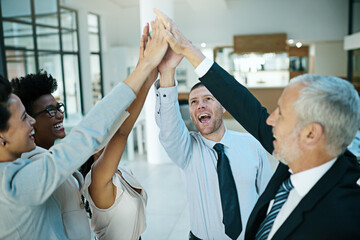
x: 177, y: 41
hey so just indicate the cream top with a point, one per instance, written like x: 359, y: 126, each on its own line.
x: 125, y: 219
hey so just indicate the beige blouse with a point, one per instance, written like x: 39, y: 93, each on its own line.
x: 125, y: 219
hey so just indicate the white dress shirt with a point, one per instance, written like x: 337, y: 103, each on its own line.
x: 195, y: 155
x: 302, y: 182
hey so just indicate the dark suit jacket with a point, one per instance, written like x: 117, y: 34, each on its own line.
x: 331, y: 209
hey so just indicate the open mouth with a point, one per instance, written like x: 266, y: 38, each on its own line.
x: 274, y: 135
x: 58, y: 126
x: 204, y: 118
x: 31, y: 134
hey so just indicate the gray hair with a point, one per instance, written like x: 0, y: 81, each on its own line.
x: 332, y: 102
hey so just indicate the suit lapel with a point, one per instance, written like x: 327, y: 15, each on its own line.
x: 320, y: 189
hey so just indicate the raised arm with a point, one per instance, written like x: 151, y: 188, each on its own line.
x: 101, y: 189
x: 174, y: 136
x: 240, y: 103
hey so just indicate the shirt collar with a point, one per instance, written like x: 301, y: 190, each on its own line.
x: 305, y: 180
x: 225, y: 140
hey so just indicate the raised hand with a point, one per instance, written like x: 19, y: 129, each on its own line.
x: 173, y: 35
x: 156, y: 45
x: 177, y: 41
x: 170, y: 61
x: 145, y: 38
x: 143, y: 41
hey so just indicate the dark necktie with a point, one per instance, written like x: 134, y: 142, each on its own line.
x: 228, y: 194
x: 279, y: 200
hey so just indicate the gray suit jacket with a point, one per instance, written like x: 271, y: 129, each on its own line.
x: 28, y: 207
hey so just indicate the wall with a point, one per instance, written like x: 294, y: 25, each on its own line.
x: 121, y: 60
x: 330, y: 58
x: 305, y: 20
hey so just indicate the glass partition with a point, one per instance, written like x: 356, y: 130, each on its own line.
x: 19, y: 62
x: 48, y: 38
x: 95, y: 56
x: 18, y: 35
x: 44, y: 37
x: 16, y: 10
x: 72, y: 84
x: 355, y: 16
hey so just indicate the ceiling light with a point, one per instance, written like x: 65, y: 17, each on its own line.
x: 203, y: 44
x: 298, y: 44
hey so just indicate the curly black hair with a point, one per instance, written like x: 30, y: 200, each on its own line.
x: 5, y: 91
x: 33, y: 86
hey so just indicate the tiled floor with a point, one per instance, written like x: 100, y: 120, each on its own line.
x: 167, y: 208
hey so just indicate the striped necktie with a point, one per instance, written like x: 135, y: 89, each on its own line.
x: 228, y: 195
x: 279, y: 200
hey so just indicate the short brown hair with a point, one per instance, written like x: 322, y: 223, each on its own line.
x: 197, y: 85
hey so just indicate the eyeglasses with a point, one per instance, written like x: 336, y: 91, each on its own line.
x: 52, y: 110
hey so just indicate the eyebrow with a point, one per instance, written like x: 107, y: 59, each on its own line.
x: 208, y: 95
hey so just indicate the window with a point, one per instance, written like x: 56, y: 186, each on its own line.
x: 95, y: 56
x: 42, y: 35
x: 355, y: 16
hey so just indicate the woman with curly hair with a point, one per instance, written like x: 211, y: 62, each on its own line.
x: 35, y: 92
x: 29, y: 209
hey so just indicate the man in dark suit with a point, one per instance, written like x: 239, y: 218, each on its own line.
x: 315, y: 192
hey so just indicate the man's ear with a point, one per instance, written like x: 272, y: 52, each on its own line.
x: 312, y: 133
x: 223, y: 109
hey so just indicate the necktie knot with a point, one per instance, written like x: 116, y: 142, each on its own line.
x: 287, y: 185
x: 219, y: 148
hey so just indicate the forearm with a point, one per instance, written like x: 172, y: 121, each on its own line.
x: 107, y: 164
x: 193, y: 55
x: 134, y: 110
x: 137, y: 78
x: 167, y: 78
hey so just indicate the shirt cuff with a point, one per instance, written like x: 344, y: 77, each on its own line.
x: 157, y: 84
x: 168, y: 94
x: 203, y: 67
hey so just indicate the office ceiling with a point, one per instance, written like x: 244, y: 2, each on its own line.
x: 193, y: 3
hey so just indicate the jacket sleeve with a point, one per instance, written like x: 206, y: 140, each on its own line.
x: 32, y: 182
x: 240, y: 103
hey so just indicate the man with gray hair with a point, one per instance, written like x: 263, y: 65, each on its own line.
x: 315, y: 192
